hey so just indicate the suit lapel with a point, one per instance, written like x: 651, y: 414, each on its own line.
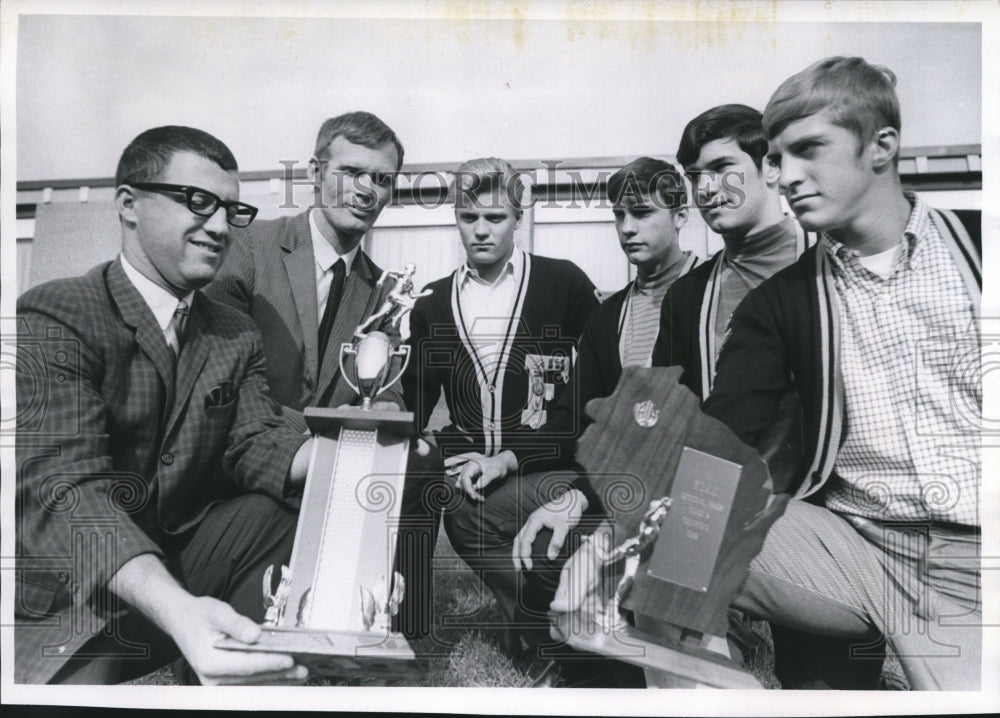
x: 137, y: 314
x: 355, y: 305
x: 194, y: 352
x: 300, y: 266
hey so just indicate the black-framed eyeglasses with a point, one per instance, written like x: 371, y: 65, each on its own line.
x: 203, y: 203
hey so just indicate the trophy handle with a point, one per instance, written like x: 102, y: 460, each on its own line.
x: 345, y: 349
x: 403, y: 351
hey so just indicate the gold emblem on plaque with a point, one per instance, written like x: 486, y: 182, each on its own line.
x: 646, y: 414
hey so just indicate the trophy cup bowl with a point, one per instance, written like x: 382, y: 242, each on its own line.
x: 373, y: 356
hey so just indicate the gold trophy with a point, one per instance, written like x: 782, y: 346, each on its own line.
x: 334, y: 605
x: 373, y: 356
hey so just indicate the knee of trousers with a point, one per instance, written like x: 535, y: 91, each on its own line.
x: 255, y: 509
x: 426, y: 496
x: 465, y: 527
x: 253, y: 522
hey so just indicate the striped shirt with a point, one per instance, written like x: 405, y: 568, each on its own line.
x: 639, y: 324
x: 912, y: 383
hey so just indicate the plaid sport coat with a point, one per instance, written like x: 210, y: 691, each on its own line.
x: 117, y: 450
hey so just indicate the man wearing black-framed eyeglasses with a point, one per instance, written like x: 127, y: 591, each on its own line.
x: 157, y: 425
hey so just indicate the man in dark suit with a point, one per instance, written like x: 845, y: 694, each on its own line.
x: 152, y: 464
x: 307, y: 284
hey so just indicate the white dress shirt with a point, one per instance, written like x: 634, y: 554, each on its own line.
x: 325, y: 257
x: 487, y: 306
x: 162, y: 303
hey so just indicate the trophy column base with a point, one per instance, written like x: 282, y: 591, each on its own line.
x: 341, y: 654
x: 342, y: 588
x: 668, y: 663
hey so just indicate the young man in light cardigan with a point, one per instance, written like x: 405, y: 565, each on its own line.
x: 877, y: 329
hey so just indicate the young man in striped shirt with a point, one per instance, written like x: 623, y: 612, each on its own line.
x: 877, y: 329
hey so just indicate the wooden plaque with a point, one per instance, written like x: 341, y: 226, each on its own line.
x: 633, y: 459
x: 650, y: 439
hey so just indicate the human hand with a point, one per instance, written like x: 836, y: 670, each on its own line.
x: 580, y: 578
x: 560, y: 515
x: 422, y: 448
x: 203, y: 622
x: 480, y: 471
x: 299, y: 469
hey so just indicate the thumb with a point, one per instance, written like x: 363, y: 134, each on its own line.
x: 561, y: 599
x: 422, y: 448
x: 228, y: 621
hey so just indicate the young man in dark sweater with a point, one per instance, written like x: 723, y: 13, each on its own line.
x: 498, y: 336
x: 736, y: 190
x: 648, y: 199
x: 877, y: 329
x: 649, y: 204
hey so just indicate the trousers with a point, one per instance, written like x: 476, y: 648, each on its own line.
x: 224, y: 557
x: 915, y: 583
x: 483, y: 533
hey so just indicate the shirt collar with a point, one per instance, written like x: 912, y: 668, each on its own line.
x: 162, y: 303
x: 512, y: 267
x: 323, y: 251
x: 916, y: 228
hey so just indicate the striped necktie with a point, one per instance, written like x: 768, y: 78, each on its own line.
x: 175, y: 330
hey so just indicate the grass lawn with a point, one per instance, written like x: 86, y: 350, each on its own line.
x: 466, y: 647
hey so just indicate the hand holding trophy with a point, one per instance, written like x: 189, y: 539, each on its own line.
x: 342, y: 580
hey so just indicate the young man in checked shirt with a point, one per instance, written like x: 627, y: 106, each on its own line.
x: 723, y: 151
x: 877, y: 329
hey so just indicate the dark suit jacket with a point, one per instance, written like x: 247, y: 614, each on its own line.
x: 115, y: 457
x: 269, y: 273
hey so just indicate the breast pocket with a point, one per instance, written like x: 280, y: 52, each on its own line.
x: 220, y: 399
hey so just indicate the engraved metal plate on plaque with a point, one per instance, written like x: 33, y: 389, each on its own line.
x: 690, y: 536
